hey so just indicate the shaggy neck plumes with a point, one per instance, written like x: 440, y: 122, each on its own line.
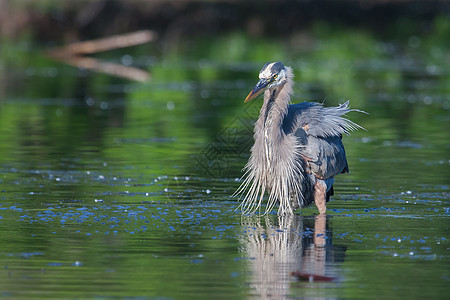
x: 269, y: 169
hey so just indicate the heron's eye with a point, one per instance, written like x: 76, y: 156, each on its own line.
x: 275, y: 76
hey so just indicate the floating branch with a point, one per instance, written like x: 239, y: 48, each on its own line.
x: 73, y: 54
x: 108, y: 68
x: 109, y: 43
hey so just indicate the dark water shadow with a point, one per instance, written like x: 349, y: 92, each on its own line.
x: 283, y: 251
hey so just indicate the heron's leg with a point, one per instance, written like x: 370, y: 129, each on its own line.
x: 320, y: 230
x: 320, y: 194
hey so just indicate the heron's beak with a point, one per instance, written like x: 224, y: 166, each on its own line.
x: 258, y: 89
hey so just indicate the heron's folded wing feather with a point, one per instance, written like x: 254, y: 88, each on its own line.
x: 318, y: 131
x: 327, y: 156
x: 320, y: 121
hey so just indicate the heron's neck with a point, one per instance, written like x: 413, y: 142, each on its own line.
x: 268, y: 129
x: 274, y: 109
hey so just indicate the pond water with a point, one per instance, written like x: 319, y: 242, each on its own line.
x: 110, y: 188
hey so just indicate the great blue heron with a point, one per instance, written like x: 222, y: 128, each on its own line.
x: 298, y: 148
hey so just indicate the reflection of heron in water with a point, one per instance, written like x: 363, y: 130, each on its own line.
x: 279, y: 248
x: 298, y: 148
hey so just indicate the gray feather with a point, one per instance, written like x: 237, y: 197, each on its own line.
x: 322, y: 121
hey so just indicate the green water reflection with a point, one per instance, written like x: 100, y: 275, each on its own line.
x: 111, y: 188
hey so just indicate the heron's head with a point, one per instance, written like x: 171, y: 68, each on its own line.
x: 271, y: 76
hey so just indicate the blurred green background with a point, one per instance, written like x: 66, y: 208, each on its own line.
x: 390, y: 58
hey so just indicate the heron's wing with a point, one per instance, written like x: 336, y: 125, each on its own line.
x: 319, y: 121
x: 325, y: 157
x: 299, y: 115
x: 319, y: 131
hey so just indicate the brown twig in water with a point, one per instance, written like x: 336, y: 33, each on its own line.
x: 108, y: 68
x: 109, y: 43
x: 72, y: 54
